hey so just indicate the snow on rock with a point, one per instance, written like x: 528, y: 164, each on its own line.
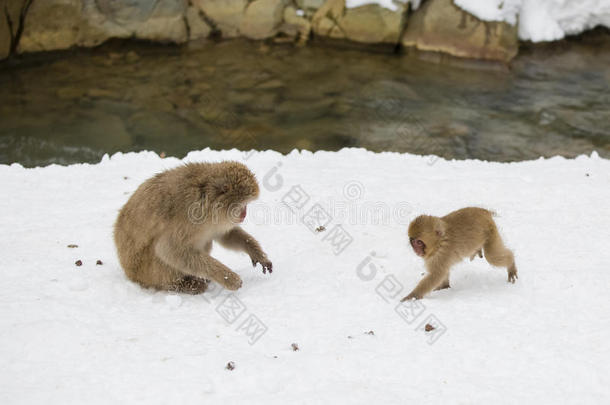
x: 539, y: 20
x: 542, y: 20
x: 389, y: 4
x: 492, y: 10
x: 85, y: 333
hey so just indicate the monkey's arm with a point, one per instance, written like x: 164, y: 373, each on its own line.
x: 183, y: 257
x: 238, y: 239
x: 437, y: 273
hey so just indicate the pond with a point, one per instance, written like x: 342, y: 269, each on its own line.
x: 74, y: 106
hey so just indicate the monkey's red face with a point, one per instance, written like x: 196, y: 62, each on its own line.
x: 426, y: 234
x: 418, y: 246
x: 237, y: 213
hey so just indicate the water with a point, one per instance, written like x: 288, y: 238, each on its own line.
x: 75, y: 106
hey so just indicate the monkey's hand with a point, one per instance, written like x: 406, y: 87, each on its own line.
x: 262, y: 258
x: 512, y: 275
x: 411, y: 296
x: 231, y: 281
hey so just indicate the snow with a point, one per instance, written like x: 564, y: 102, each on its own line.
x: 542, y: 20
x: 492, y: 10
x: 389, y: 4
x: 539, y: 20
x: 85, y: 333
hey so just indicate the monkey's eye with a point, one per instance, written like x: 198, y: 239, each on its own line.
x: 411, y: 239
x: 419, y: 242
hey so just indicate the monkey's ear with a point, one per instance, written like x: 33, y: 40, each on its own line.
x: 221, y: 186
x: 440, y: 228
x: 202, y: 190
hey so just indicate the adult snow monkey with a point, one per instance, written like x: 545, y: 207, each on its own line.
x: 443, y: 242
x: 164, y: 232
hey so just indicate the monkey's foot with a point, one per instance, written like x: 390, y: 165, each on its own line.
x: 442, y: 286
x: 512, y: 276
x: 191, y: 285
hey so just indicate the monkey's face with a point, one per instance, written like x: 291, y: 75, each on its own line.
x: 425, y: 235
x: 237, y: 212
x: 231, y: 190
x: 418, y: 246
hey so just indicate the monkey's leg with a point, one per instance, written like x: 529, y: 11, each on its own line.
x: 444, y: 284
x: 154, y: 273
x: 478, y: 252
x: 498, y: 255
x: 238, y: 239
x: 190, y: 261
x: 427, y: 284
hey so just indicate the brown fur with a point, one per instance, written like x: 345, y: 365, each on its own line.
x: 164, y: 232
x: 463, y: 233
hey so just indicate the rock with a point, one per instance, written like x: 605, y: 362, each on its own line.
x: 125, y: 12
x: 61, y: 24
x: 370, y: 23
x: 155, y: 20
x: 295, y: 25
x: 332, y: 9
x: 226, y: 14
x: 439, y: 25
x: 310, y: 4
x: 51, y: 25
x: 11, y: 12
x: 326, y: 27
x: 262, y: 19
x: 198, y: 29
x: 163, y: 29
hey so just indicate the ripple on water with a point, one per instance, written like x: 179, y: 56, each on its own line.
x: 75, y: 106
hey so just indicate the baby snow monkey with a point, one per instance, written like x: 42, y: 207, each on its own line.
x: 444, y: 241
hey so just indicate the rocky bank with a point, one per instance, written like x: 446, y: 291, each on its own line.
x: 436, y: 25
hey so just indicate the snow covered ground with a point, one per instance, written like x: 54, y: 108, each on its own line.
x: 73, y: 334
